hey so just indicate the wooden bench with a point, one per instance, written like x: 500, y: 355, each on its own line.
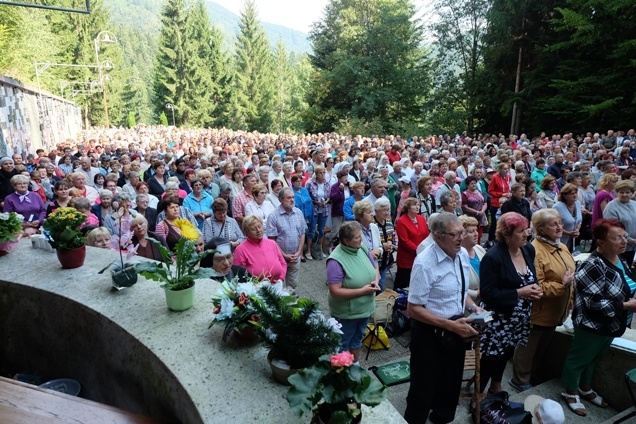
x: 22, y: 403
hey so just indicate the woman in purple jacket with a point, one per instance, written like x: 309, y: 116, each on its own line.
x: 339, y: 193
x: 26, y: 203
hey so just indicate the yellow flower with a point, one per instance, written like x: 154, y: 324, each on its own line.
x: 187, y: 229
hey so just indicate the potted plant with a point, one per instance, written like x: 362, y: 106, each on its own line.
x: 334, y: 389
x: 10, y: 231
x: 177, y: 276
x: 234, y: 307
x: 295, y: 329
x: 62, y: 230
x: 123, y: 274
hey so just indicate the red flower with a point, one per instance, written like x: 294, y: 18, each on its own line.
x: 343, y: 359
x: 243, y: 299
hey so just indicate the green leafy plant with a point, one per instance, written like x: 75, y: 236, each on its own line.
x: 234, y: 306
x: 63, y: 228
x: 335, y: 388
x: 296, y: 329
x: 177, y: 275
x: 10, y: 226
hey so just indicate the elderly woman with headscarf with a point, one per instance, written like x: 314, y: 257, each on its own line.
x: 7, y: 171
x: 221, y: 225
x: 221, y: 261
x: 258, y: 254
x: 26, y: 203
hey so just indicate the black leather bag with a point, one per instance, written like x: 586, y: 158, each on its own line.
x: 495, y: 409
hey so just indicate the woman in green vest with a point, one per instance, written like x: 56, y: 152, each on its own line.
x: 352, y: 277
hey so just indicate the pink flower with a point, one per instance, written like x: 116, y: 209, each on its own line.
x: 343, y: 359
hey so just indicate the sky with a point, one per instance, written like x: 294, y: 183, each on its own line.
x: 296, y: 14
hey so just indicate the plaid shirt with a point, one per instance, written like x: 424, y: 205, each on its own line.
x: 287, y: 227
x: 239, y: 202
x: 601, y: 289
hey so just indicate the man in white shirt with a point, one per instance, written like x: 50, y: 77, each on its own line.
x: 87, y: 170
x: 437, y: 301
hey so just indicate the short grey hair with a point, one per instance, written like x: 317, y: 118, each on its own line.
x: 446, y: 198
x: 264, y: 168
x: 542, y: 217
x: 171, y: 185
x: 348, y: 230
x: 449, y: 174
x: 105, y: 193
x: 377, y: 181
x: 142, y: 197
x: 442, y: 221
x: 286, y: 165
x: 281, y: 193
x: 381, y: 203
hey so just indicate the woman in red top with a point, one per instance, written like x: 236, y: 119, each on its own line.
x: 411, y: 229
x: 498, y: 188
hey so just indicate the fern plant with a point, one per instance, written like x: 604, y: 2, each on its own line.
x: 296, y: 330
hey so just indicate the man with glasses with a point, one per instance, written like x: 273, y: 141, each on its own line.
x: 287, y: 226
x: 437, y: 302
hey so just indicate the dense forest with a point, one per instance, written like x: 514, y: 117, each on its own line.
x: 367, y: 66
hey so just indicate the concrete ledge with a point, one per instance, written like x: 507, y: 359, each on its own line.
x: 610, y: 369
x: 129, y: 351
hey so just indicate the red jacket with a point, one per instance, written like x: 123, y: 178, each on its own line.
x: 498, y: 187
x: 409, y: 237
x: 393, y: 156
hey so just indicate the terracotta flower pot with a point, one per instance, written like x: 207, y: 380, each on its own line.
x: 280, y: 374
x: 180, y: 300
x: 71, y: 258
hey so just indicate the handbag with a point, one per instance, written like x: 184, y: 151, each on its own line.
x: 496, y: 409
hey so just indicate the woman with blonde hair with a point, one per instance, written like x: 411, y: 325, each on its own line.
x: 98, y: 237
x: 555, y: 276
x: 470, y: 242
x: 604, y: 195
x: 258, y: 254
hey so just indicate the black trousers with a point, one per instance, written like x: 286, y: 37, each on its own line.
x: 402, y: 278
x: 437, y: 367
x: 492, y: 367
x: 493, y: 223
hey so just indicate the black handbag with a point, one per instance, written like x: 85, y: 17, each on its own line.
x: 496, y: 409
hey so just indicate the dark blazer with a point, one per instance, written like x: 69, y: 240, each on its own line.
x: 154, y: 187
x: 97, y: 210
x: 521, y: 207
x: 498, y: 277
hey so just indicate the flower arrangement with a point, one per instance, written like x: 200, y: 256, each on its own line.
x: 296, y: 329
x: 122, y: 274
x: 63, y: 228
x: 334, y: 388
x: 180, y: 274
x: 10, y: 226
x: 234, y: 305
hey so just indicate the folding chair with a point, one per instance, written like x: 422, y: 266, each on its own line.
x: 382, y: 316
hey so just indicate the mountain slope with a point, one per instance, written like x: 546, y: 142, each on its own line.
x: 144, y: 14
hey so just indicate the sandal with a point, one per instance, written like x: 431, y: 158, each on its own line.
x: 593, y: 397
x: 577, y: 407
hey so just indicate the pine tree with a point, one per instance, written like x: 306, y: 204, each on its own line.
x: 283, y: 79
x: 253, y: 92
x: 370, y: 64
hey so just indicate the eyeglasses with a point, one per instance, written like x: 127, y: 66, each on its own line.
x: 456, y: 236
x: 619, y: 238
x: 220, y: 259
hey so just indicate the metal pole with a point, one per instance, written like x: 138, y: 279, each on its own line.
x: 101, y: 79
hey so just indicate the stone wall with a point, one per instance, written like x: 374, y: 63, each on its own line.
x: 24, y: 127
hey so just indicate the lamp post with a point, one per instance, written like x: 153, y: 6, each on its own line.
x: 171, y: 107
x: 103, y: 38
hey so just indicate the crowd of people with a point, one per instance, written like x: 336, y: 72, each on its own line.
x: 488, y: 222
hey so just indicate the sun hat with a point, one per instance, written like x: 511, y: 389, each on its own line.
x: 544, y: 411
